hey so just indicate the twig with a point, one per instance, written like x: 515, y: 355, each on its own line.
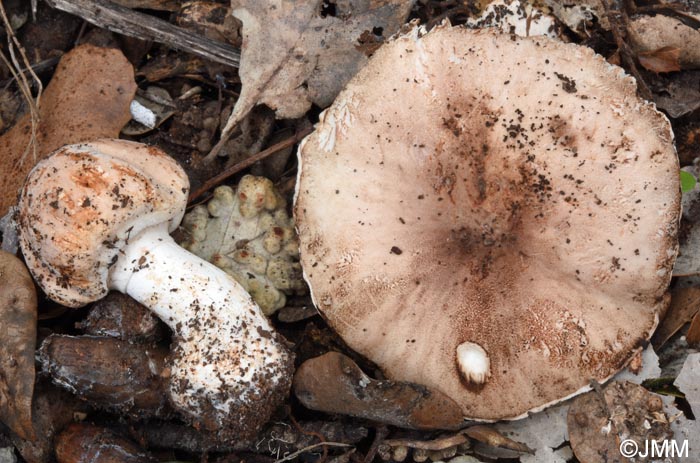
x: 122, y: 20
x: 37, y: 67
x: 317, y: 435
x: 293, y: 455
x: 216, y: 180
x: 22, y: 82
x: 379, y: 436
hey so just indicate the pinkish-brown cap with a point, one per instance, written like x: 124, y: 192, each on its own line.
x: 503, y: 206
x: 71, y: 227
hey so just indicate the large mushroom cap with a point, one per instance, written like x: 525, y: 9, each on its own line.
x: 510, y: 196
x: 90, y: 198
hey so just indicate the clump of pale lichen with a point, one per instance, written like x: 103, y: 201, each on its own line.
x: 249, y: 234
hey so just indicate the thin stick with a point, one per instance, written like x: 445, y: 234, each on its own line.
x: 22, y: 82
x: 37, y: 67
x: 216, y: 180
x: 379, y: 436
x: 122, y: 20
x: 291, y: 456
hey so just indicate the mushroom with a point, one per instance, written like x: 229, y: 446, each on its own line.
x: 95, y: 217
x: 491, y: 216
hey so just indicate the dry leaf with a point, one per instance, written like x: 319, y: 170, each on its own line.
x: 294, y: 54
x: 598, y: 422
x: 543, y: 432
x: 333, y: 383
x: 666, y: 59
x: 688, y: 382
x: 693, y: 334
x: 88, y: 98
x: 685, y: 429
x: 17, y: 343
x: 678, y: 94
x: 491, y: 436
x: 650, y: 34
x: 685, y: 303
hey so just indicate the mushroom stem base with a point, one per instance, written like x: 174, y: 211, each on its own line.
x: 229, y: 368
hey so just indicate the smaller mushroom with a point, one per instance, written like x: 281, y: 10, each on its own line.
x: 95, y: 217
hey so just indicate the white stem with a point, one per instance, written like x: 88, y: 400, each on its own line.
x: 226, y: 350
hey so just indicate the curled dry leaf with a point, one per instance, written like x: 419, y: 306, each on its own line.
x: 685, y: 303
x: 109, y: 373
x: 333, y: 383
x: 665, y: 59
x: 88, y: 98
x: 651, y: 34
x: 17, y: 342
x: 599, y: 421
x: 294, y: 54
x: 82, y: 442
x: 490, y: 436
x: 693, y: 334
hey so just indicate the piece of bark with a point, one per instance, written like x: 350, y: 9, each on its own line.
x: 159, y: 5
x: 122, y: 20
x: 82, y: 442
x: 108, y: 373
x: 119, y: 316
x: 88, y: 98
x: 18, y: 314
x: 333, y: 383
